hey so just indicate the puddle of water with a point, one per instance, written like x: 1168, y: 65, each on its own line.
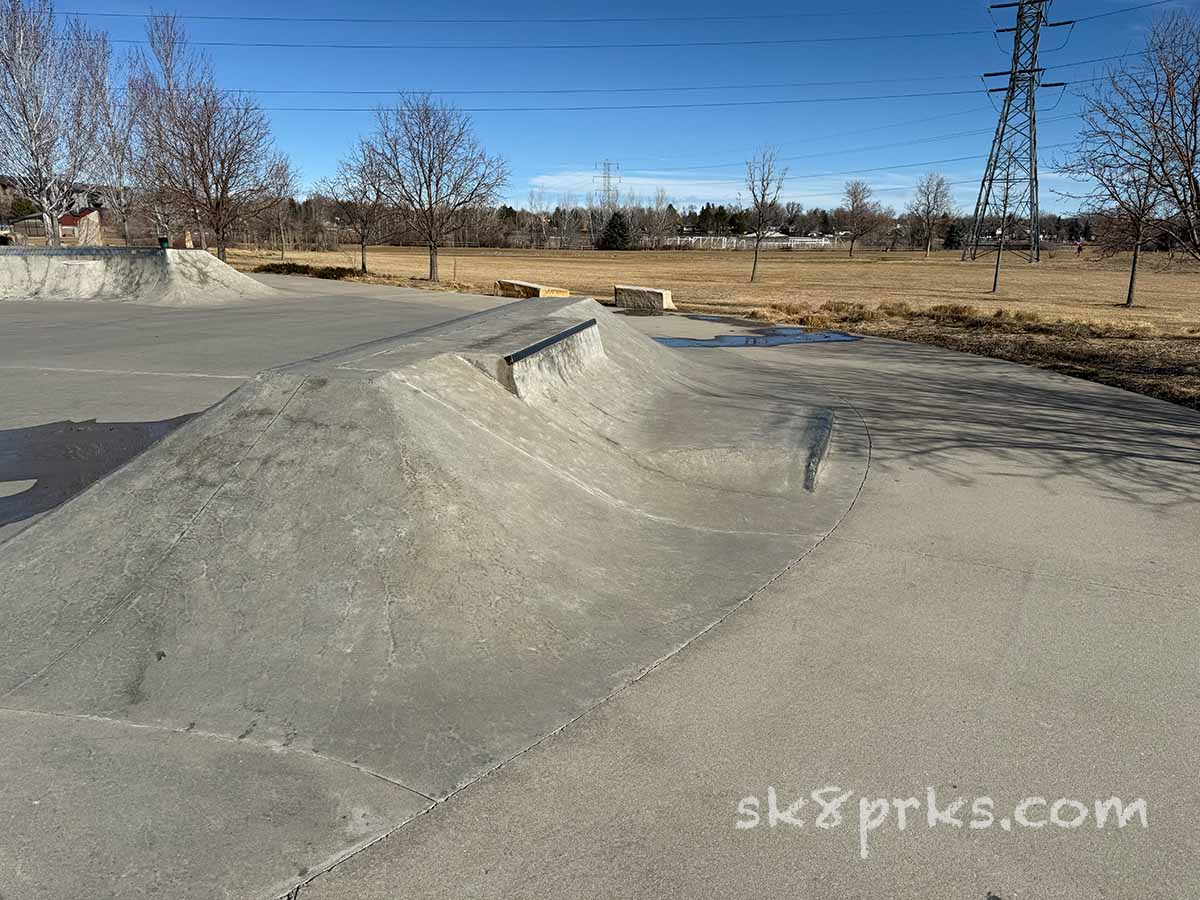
x: 765, y: 337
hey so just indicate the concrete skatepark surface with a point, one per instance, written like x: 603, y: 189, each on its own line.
x: 1007, y: 608
x: 123, y: 275
x: 412, y: 559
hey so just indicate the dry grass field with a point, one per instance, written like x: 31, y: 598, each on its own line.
x: 1065, y: 314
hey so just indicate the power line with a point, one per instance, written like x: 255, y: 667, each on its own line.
x: 916, y: 165
x: 653, y: 106
x: 590, y: 20
x: 350, y: 20
x: 907, y: 143
x: 764, y: 42
x: 629, y: 90
x: 652, y: 90
x: 1125, y: 9
x: 876, y: 169
x: 650, y: 106
x: 923, y: 120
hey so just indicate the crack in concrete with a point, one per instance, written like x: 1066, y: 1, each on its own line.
x: 236, y: 740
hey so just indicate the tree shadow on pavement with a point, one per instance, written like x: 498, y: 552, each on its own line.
x: 964, y: 417
x: 63, y: 458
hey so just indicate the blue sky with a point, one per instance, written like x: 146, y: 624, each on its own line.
x: 695, y: 154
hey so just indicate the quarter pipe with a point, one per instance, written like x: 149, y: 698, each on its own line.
x: 129, y: 275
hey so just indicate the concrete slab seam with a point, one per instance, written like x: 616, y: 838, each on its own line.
x: 217, y: 736
x: 124, y: 372
x: 124, y: 601
x: 295, y: 892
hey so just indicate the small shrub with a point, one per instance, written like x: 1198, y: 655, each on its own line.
x: 952, y: 312
x: 815, y: 320
x: 895, y: 308
x: 284, y: 268
x: 335, y: 273
x: 850, y: 312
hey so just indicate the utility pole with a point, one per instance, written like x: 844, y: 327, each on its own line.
x: 1010, y: 181
x: 610, y: 182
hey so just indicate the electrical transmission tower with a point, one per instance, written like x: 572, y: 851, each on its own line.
x: 610, y: 182
x: 1006, y: 212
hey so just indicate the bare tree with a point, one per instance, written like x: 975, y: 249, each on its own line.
x: 157, y: 84
x: 764, y: 182
x: 597, y: 212
x: 539, y: 217
x: 357, y: 194
x: 117, y: 107
x: 1149, y: 116
x: 208, y: 151
x: 1119, y: 171
x: 566, y: 220
x: 661, y: 219
x: 47, y: 125
x: 932, y: 202
x: 434, y: 168
x: 862, y: 214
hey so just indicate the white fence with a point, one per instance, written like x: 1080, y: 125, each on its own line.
x: 712, y: 242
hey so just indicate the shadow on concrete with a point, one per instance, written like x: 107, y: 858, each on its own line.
x: 63, y: 458
x: 936, y: 410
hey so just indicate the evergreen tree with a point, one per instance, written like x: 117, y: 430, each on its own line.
x: 720, y: 219
x: 617, y: 234
x: 953, y: 239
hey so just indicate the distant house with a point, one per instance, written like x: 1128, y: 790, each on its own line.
x: 83, y: 227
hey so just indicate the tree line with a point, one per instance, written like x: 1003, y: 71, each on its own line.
x: 163, y: 150
x: 159, y: 145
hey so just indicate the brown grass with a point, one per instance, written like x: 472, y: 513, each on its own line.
x: 1065, y: 314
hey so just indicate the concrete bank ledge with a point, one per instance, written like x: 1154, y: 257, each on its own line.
x: 637, y: 297
x: 524, y: 290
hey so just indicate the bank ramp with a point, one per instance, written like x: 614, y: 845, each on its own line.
x: 123, y: 275
x: 363, y: 581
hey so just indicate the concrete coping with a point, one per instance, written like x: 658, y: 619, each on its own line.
x: 524, y: 290
x: 632, y: 296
